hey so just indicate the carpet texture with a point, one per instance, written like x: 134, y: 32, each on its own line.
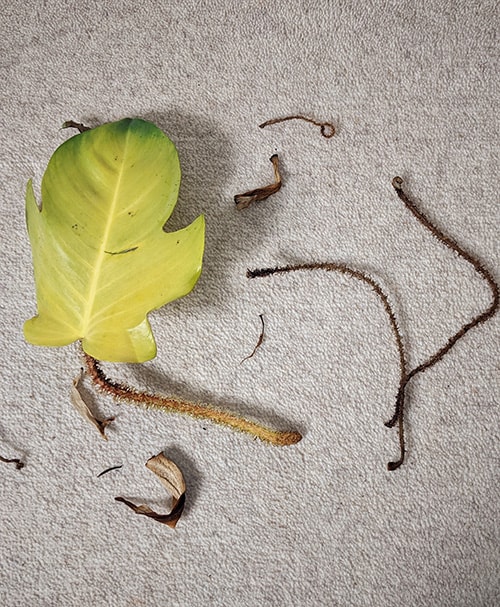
x: 412, y: 89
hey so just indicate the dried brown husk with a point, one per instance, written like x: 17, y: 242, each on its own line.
x: 243, y: 201
x: 172, y: 479
x: 81, y: 405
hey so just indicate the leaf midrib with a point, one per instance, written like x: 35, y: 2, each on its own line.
x: 93, y: 287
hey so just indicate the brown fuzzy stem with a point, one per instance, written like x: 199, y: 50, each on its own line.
x: 397, y: 183
x: 343, y: 269
x: 208, y: 412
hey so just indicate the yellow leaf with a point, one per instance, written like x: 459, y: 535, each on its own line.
x: 101, y: 258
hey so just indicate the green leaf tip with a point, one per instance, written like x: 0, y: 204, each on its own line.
x: 101, y: 258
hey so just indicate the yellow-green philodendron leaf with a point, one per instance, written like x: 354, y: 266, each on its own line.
x: 101, y: 258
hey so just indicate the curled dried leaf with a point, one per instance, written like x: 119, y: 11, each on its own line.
x: 243, y: 201
x: 83, y: 408
x: 172, y: 479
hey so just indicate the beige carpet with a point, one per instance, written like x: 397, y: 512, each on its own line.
x: 412, y: 89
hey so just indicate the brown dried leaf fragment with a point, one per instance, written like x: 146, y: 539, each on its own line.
x: 173, y: 480
x: 15, y: 460
x: 327, y: 128
x: 243, y: 201
x: 259, y: 342
x: 82, y: 407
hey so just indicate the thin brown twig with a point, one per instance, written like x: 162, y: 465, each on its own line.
x: 359, y: 275
x: 327, y: 128
x: 449, y: 242
x: 259, y: 341
x: 155, y: 401
x: 109, y: 470
x: 15, y: 460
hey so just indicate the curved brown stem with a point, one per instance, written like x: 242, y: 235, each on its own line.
x: 397, y: 183
x: 343, y: 269
x: 327, y: 128
x: 400, y: 419
x: 145, y: 399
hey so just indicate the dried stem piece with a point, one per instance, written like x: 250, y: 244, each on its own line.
x: 343, y: 269
x: 18, y: 462
x: 327, y: 128
x: 243, y: 201
x: 155, y: 401
x: 397, y: 183
x: 259, y: 342
x: 71, y: 124
x: 109, y: 470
